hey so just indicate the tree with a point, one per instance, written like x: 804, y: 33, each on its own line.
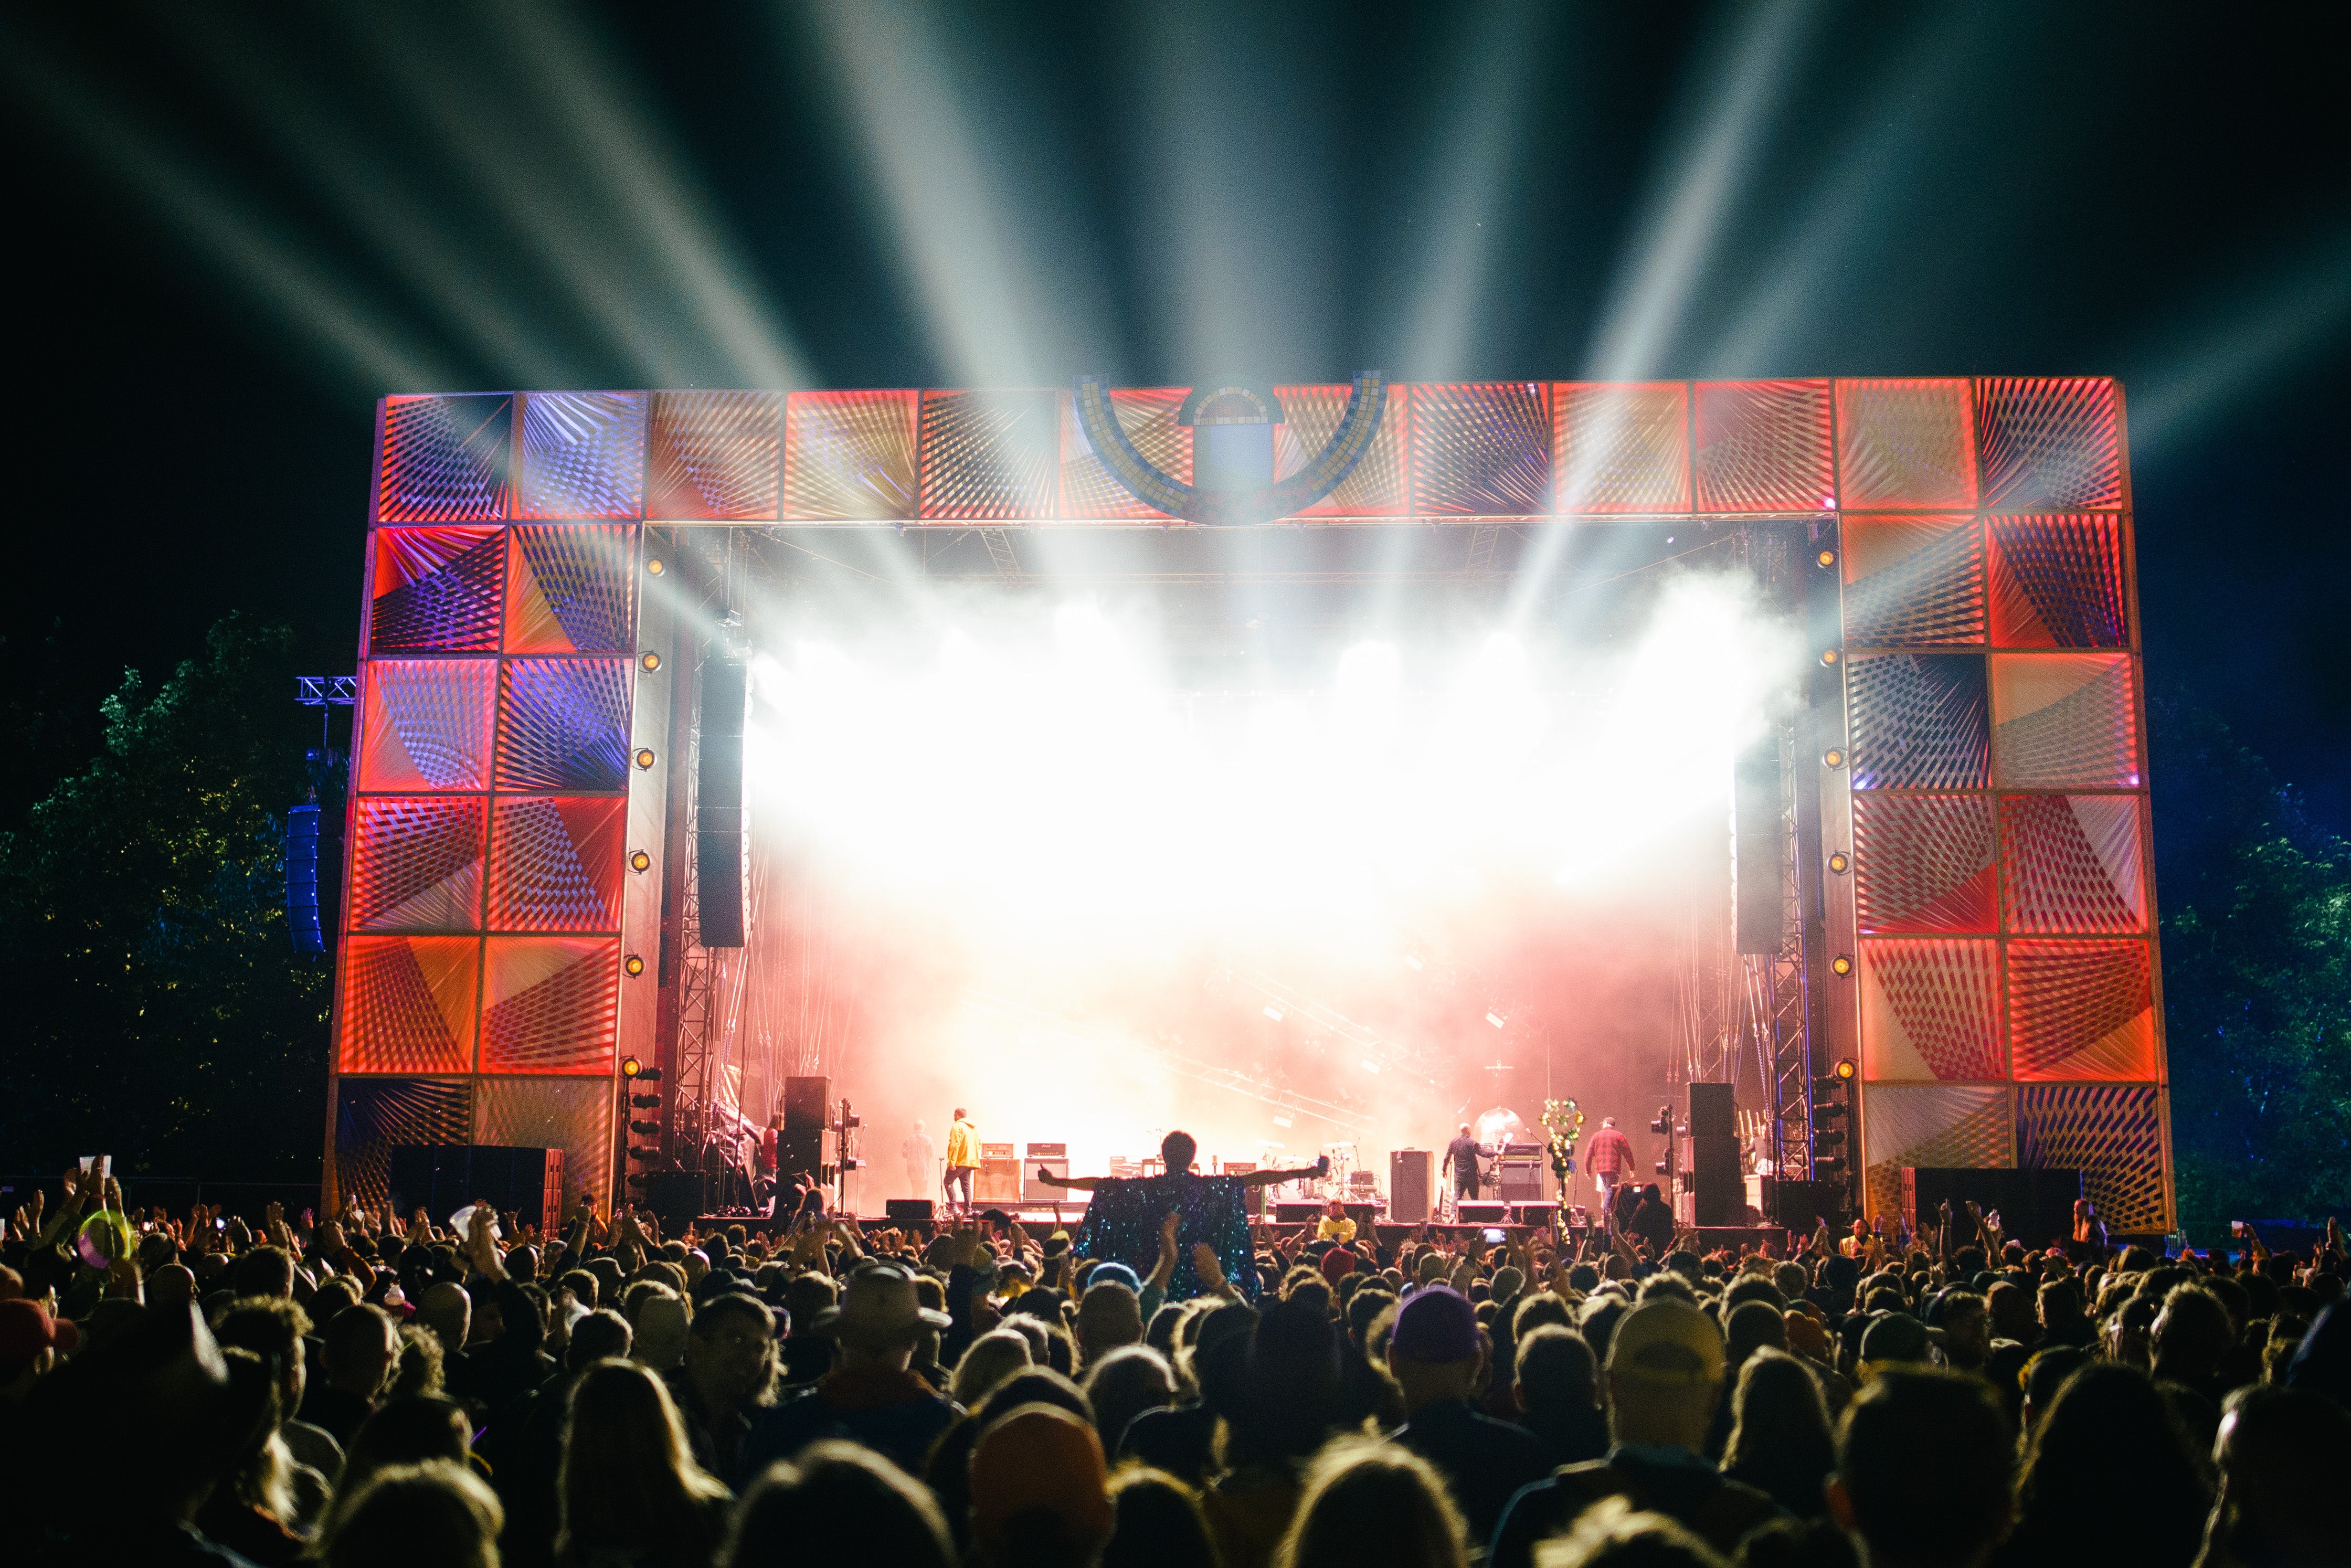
x: 161, y: 1013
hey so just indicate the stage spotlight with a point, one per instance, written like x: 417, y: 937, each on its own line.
x: 1827, y: 558
x: 649, y: 1075
x: 1839, y: 862
x: 1273, y: 1012
x: 653, y: 566
x: 636, y: 966
x: 649, y: 661
x: 1845, y: 1070
x: 645, y: 1129
x: 1412, y: 960
x: 645, y: 757
x: 645, y: 1102
x: 1834, y: 757
x: 1494, y: 1018
x: 1285, y: 1120
x: 630, y: 1066
x: 1828, y: 1137
x: 1370, y: 1066
x: 1828, y: 655
x: 640, y: 861
x: 639, y: 1151
x: 1842, y: 964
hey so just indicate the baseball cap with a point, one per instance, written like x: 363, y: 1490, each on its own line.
x: 27, y: 1330
x: 1666, y: 1339
x: 1894, y: 1336
x: 1436, y: 1325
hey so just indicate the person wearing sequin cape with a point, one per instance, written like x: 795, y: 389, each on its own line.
x: 1121, y: 1224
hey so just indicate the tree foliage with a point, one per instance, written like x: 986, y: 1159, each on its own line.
x: 161, y: 1012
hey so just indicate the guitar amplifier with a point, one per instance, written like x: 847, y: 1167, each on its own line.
x: 1521, y: 1178
x: 1054, y: 1157
x: 999, y: 1180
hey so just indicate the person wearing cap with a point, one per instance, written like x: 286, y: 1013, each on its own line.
x: 1435, y: 1354
x: 30, y: 1342
x: 870, y: 1396
x: 1665, y: 1376
x: 1893, y: 1336
x: 1039, y: 1490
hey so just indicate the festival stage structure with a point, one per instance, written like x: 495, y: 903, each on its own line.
x: 1956, y: 806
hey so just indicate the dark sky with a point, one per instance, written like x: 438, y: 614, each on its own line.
x: 233, y: 226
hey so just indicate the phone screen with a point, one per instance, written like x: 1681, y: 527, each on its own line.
x: 1493, y: 1236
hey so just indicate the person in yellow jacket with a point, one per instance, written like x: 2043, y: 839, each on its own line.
x: 1335, y: 1226
x: 963, y: 1159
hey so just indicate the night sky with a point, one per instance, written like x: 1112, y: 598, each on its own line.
x: 233, y: 227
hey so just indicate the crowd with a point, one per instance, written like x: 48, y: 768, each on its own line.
x: 369, y: 1390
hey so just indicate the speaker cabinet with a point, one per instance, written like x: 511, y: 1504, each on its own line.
x: 1252, y: 1197
x: 1408, y: 1183
x: 1468, y: 1213
x: 999, y: 1180
x: 1054, y: 1157
x: 799, y: 1148
x: 1760, y: 910
x: 907, y: 1210
x: 718, y: 801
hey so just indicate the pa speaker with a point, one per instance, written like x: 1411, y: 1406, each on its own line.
x: 800, y: 1149
x: 1759, y: 913
x: 718, y: 802
x: 1408, y: 1183
x: 907, y: 1210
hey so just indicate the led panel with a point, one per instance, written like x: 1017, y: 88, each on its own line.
x: 563, y: 723
x: 1931, y: 1012
x: 1378, y: 486
x: 2080, y: 1010
x: 2111, y: 1134
x: 1906, y: 444
x: 549, y: 1004
x: 569, y: 588
x: 1763, y: 446
x: 1967, y: 1126
x: 407, y: 1004
x: 1622, y: 446
x: 2047, y: 443
x: 852, y: 455
x: 2072, y: 863
x: 1923, y: 864
x: 2063, y: 721
x: 425, y: 724
x: 713, y: 456
x: 375, y: 1115
x: 1913, y: 581
x: 990, y: 456
x: 436, y: 590
x: 555, y: 863
x: 1480, y: 449
x: 574, y: 1114
x: 1918, y: 721
x: 2057, y: 583
x: 416, y: 864
x: 1148, y: 418
x: 583, y: 455
x: 444, y: 459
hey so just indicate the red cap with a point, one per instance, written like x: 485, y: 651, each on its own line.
x: 27, y: 1330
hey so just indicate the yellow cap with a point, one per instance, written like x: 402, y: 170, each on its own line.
x: 1666, y: 1339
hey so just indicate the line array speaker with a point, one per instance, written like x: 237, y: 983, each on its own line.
x: 801, y: 1148
x: 718, y: 801
x: 1760, y: 910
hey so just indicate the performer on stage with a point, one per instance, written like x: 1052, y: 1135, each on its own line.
x: 1121, y: 1224
x: 1335, y: 1224
x: 1461, y: 1159
x: 963, y: 1159
x: 922, y: 1158
x: 1608, y: 1155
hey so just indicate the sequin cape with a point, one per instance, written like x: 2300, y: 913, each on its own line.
x: 1122, y: 1226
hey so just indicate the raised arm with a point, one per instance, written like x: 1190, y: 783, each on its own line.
x: 1083, y: 1184
x: 1321, y: 1168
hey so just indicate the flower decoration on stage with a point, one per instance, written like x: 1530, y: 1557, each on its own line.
x: 1232, y: 451
x: 1563, y: 1120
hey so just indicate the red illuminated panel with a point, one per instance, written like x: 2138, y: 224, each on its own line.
x: 555, y: 863
x: 849, y: 456
x: 1622, y: 446
x: 2063, y: 721
x: 1913, y: 581
x: 408, y: 1003
x: 1923, y: 862
x: 424, y: 723
x: 1148, y: 417
x: 712, y: 455
x: 2057, y: 583
x: 2073, y: 862
x: 574, y: 1114
x: 1378, y: 486
x: 436, y: 590
x: 990, y: 456
x: 583, y: 455
x: 1931, y: 1012
x: 416, y: 864
x: 1480, y: 449
x: 1763, y: 446
x: 2111, y: 1134
x: 568, y: 588
x: 446, y: 459
x: 549, y: 1004
x: 2049, y: 443
x: 2080, y: 1010
x: 1906, y: 444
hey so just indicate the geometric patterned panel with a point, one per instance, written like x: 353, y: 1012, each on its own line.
x: 583, y: 455
x: 2111, y: 1134
x: 1763, y: 446
x: 1375, y: 486
x: 408, y: 1003
x: 1480, y: 449
x: 555, y: 863
x: 2063, y: 721
x: 373, y: 1115
x: 1930, y: 1010
x: 446, y: 459
x: 1913, y: 581
x: 1923, y: 862
x: 2080, y: 1009
x: 549, y: 1003
x: 1148, y: 417
x: 712, y: 455
x: 989, y: 456
x: 2070, y: 862
x: 850, y: 456
x: 436, y: 590
x: 1919, y: 722
x: 2057, y: 583
x: 574, y: 1114
x: 416, y: 864
x: 1623, y: 448
x: 569, y: 592
x: 563, y: 723
x: 1942, y: 1125
x: 2048, y: 442
x: 1906, y: 444
x: 425, y: 724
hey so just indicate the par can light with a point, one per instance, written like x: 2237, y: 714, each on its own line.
x: 649, y: 661
x: 1839, y: 862
x: 630, y: 1066
x: 645, y: 757
x: 640, y: 861
x: 1846, y: 1068
x: 633, y: 964
x: 653, y: 567
x: 1834, y: 757
x: 1827, y: 558
x: 1842, y: 964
